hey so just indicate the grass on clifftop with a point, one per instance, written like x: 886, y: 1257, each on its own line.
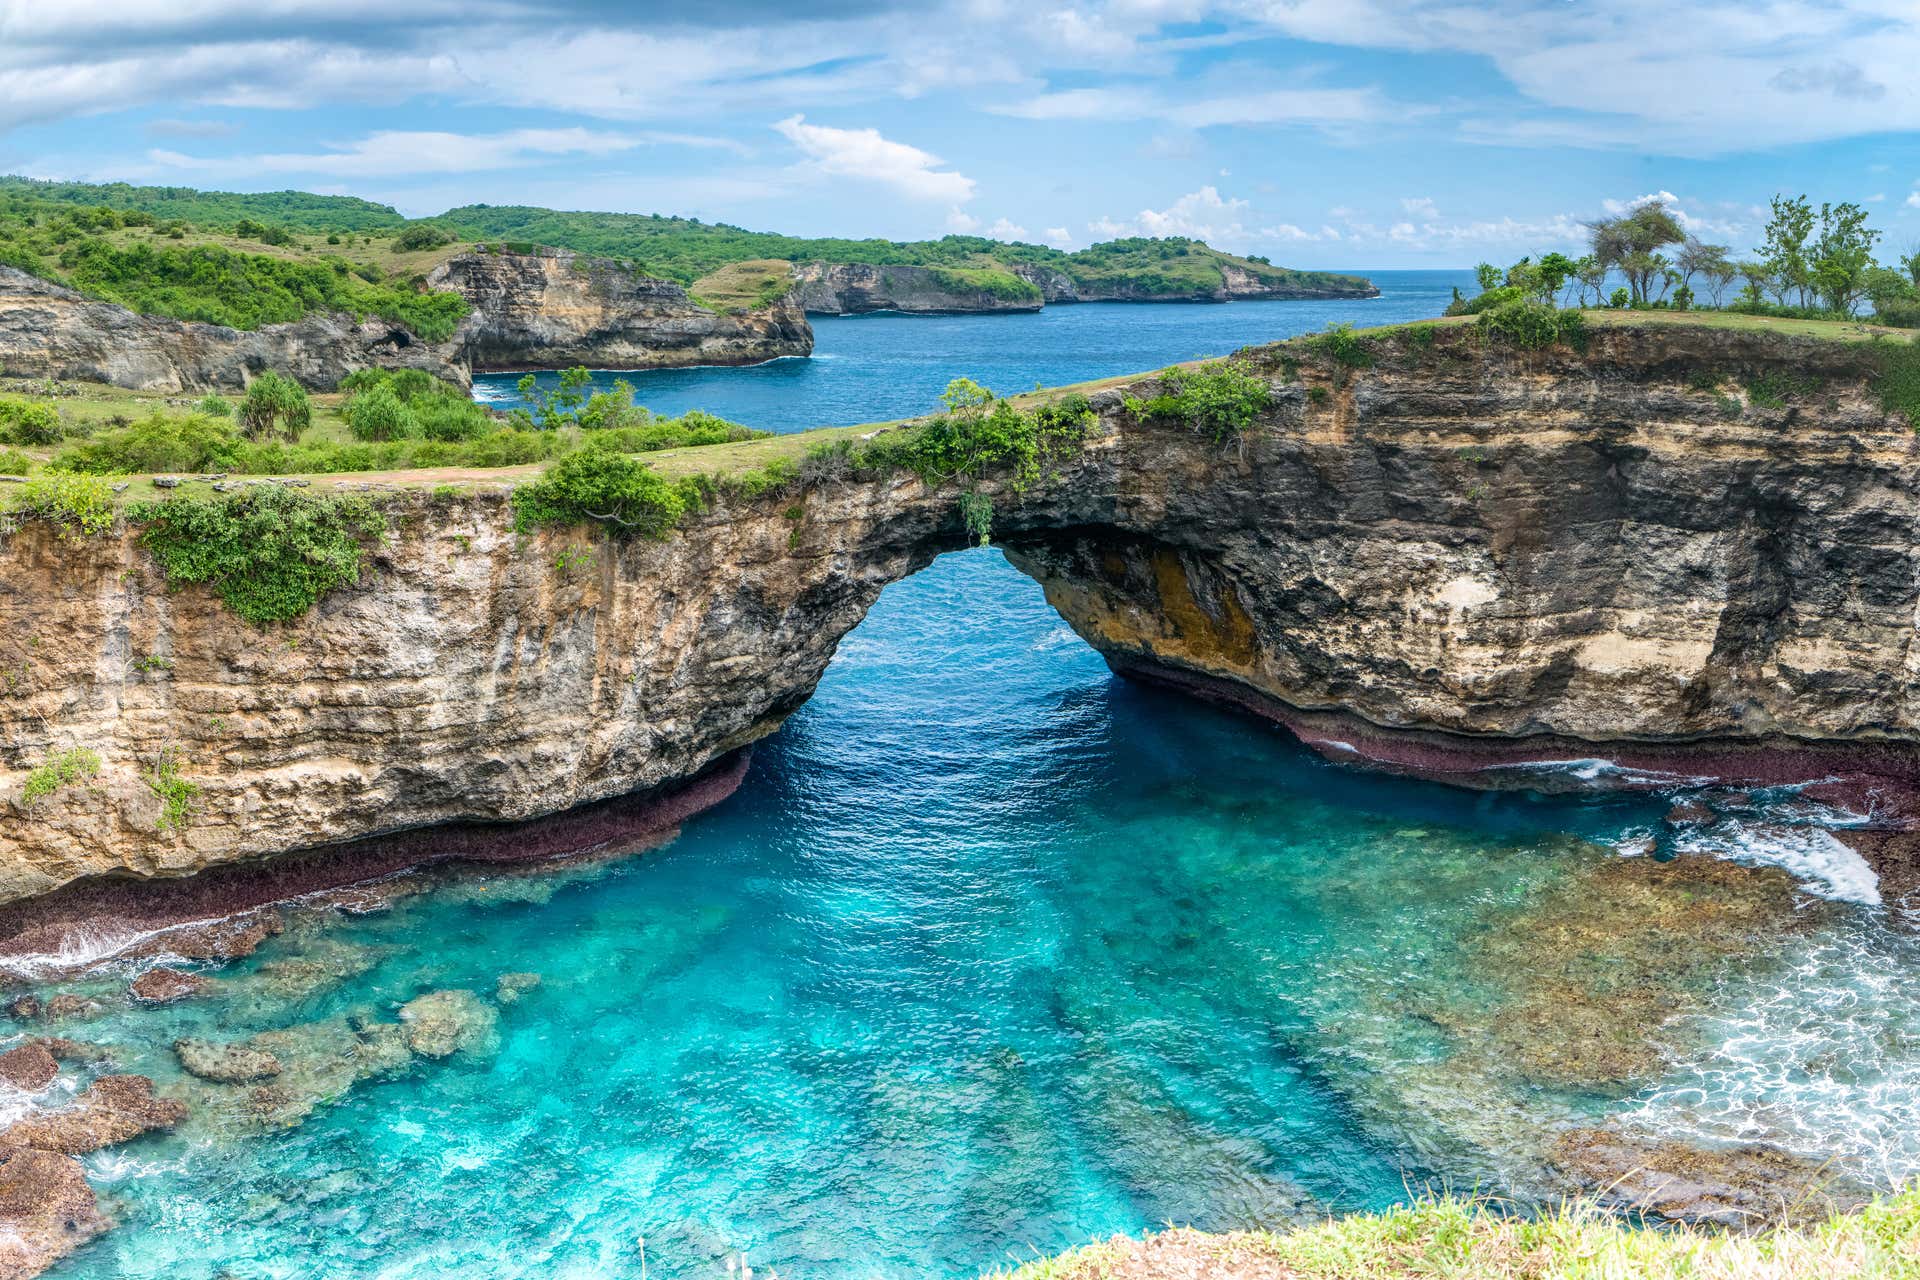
x: 1463, y: 1239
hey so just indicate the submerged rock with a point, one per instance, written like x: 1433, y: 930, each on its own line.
x: 113, y: 1109
x: 47, y: 1210
x: 323, y: 965
x: 225, y: 1063
x: 23, y: 1007
x: 509, y: 987
x: 66, y: 1005
x: 1747, y: 1186
x: 31, y: 1066
x: 230, y: 938
x: 317, y: 1063
x: 167, y: 986
x: 441, y: 1023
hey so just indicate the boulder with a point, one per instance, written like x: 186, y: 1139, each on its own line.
x: 47, y: 1210
x: 441, y: 1023
x: 113, y: 1109
x: 225, y: 1063
x: 67, y: 1005
x: 1748, y: 1186
x: 167, y: 986
x: 24, y: 1007
x: 31, y: 1066
x: 509, y: 987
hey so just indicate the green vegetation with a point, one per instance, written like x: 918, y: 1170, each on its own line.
x: 175, y: 792
x: 1531, y: 324
x: 1899, y: 378
x: 275, y: 406
x: 296, y: 209
x: 1220, y: 398
x: 992, y: 281
x: 268, y: 552
x: 62, y: 769
x: 686, y: 249
x: 607, y: 488
x: 28, y: 422
x: 1455, y: 1238
x: 1344, y: 346
x: 15, y: 463
x: 79, y: 506
x: 741, y: 287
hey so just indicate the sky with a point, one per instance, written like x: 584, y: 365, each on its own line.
x: 1320, y: 133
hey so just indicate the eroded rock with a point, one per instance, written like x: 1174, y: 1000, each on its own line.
x: 68, y: 1006
x: 31, y: 1066
x: 225, y: 1063
x: 509, y: 987
x: 1747, y: 1187
x: 441, y: 1023
x: 24, y: 1007
x: 167, y: 986
x: 47, y: 1210
x: 113, y: 1109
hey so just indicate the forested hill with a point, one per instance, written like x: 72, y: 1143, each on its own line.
x: 682, y: 249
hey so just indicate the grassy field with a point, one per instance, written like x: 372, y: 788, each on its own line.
x: 1457, y: 1239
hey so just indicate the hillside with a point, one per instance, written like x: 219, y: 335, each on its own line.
x: 45, y: 228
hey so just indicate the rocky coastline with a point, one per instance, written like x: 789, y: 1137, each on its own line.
x: 832, y: 288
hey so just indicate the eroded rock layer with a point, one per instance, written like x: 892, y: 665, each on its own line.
x: 1460, y: 557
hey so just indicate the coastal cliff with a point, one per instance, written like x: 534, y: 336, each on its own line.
x: 1682, y: 549
x: 1237, y: 283
x: 857, y: 288
x: 50, y: 331
x: 840, y: 288
x: 555, y: 309
x: 526, y: 310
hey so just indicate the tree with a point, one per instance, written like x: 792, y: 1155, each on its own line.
x: 1785, y: 251
x: 1631, y: 244
x: 1698, y: 258
x: 1911, y: 263
x: 1592, y: 274
x: 1759, y: 279
x: 1552, y: 272
x: 275, y: 405
x: 1841, y: 256
x: 1488, y: 275
x: 555, y: 408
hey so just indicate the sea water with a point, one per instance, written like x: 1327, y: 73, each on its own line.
x: 994, y: 953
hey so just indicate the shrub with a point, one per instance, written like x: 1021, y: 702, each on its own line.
x: 175, y: 792
x: 422, y: 235
x: 606, y: 487
x: 15, y: 463
x: 1346, y: 348
x: 1899, y: 379
x: 79, y: 505
x: 1220, y: 398
x: 268, y: 552
x: 1532, y: 325
x: 215, y: 407
x: 275, y: 405
x: 159, y: 442
x: 378, y: 414
x: 62, y: 769
x: 28, y: 422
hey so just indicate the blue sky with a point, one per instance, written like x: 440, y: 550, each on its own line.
x: 1363, y: 133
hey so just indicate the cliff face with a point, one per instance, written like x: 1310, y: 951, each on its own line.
x: 853, y: 288
x: 1236, y: 284
x: 530, y: 311
x: 560, y: 309
x: 47, y: 331
x: 1455, y: 559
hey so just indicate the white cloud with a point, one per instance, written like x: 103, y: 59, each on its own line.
x: 865, y: 154
x: 1286, y: 232
x: 391, y: 153
x: 1296, y: 106
x: 1003, y: 229
x: 1878, y: 197
x: 960, y: 222
x: 1420, y: 206
x: 1204, y: 215
x: 1058, y: 237
x: 1913, y: 201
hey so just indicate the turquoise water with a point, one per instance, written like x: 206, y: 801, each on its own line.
x: 993, y: 953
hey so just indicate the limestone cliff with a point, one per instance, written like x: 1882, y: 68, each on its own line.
x: 855, y: 288
x: 556, y: 309
x: 1461, y: 556
x: 48, y: 331
x: 536, y: 310
x: 1237, y: 284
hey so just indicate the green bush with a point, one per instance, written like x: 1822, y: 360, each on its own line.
x: 61, y: 769
x: 80, y: 506
x: 1220, y: 398
x: 159, y: 442
x: 215, y: 406
x: 275, y: 405
x: 607, y: 488
x: 175, y: 792
x: 268, y: 552
x: 28, y: 422
x: 1344, y: 346
x: 15, y: 463
x: 377, y: 414
x: 1534, y: 325
x: 1899, y: 378
x: 422, y: 235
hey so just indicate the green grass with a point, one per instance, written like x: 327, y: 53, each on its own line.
x: 1464, y: 1239
x: 740, y: 287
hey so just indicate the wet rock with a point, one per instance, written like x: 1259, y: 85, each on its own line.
x: 166, y: 986
x: 47, y: 1210
x: 230, y: 938
x: 225, y: 1063
x: 66, y: 1005
x: 24, y: 1007
x: 1688, y: 812
x: 1747, y: 1187
x: 319, y: 1063
x: 113, y: 1109
x: 299, y: 976
x: 31, y: 1066
x: 441, y: 1023
x: 509, y: 987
